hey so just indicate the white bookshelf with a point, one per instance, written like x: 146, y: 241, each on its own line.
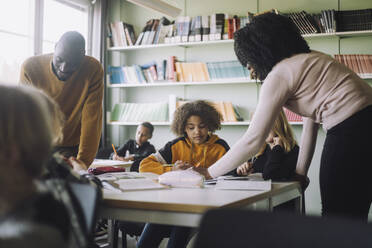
x: 231, y: 41
x: 167, y: 83
x: 167, y: 123
x: 242, y: 92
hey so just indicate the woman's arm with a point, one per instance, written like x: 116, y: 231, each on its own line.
x: 307, y: 146
x: 274, y: 93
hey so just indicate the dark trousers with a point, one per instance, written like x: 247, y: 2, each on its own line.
x: 153, y: 234
x: 346, y: 167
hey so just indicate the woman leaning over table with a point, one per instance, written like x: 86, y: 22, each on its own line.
x: 320, y: 89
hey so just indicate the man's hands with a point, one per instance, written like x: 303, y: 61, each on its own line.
x: 77, y: 164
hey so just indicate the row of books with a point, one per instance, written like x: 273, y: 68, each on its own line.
x: 220, y: 26
x: 164, y: 111
x: 184, y: 29
x: 330, y: 21
x: 171, y: 70
x: 133, y: 112
x: 291, y: 116
x: 121, y: 34
x: 359, y: 63
x: 228, y: 111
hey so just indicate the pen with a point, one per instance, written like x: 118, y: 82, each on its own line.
x: 113, y: 147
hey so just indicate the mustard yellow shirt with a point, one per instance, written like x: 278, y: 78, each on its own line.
x: 79, y: 97
x: 203, y: 155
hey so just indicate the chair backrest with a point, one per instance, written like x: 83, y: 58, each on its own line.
x: 243, y: 228
x: 87, y: 197
x: 26, y: 233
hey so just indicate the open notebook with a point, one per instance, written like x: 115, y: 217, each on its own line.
x: 251, y: 182
x: 130, y: 181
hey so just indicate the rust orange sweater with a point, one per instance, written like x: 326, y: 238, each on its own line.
x: 79, y: 97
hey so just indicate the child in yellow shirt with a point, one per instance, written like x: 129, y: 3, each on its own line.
x: 194, y: 123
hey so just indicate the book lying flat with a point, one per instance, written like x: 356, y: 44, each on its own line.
x: 109, y: 162
x: 251, y: 182
x: 138, y: 184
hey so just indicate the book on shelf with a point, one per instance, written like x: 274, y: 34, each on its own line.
x: 139, y: 112
x: 220, y: 26
x: 359, y: 63
x: 228, y: 111
x: 176, y: 71
x: 354, y: 20
x: 291, y: 116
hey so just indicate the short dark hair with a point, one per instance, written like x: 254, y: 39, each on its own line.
x: 267, y: 40
x: 205, y: 110
x: 149, y: 126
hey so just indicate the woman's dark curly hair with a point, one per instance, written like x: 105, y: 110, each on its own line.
x: 267, y: 40
x: 205, y: 110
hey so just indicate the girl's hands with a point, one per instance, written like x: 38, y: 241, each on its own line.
x: 245, y: 169
x: 180, y: 165
x: 125, y: 159
x: 276, y: 141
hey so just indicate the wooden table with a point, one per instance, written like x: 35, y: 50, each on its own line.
x: 185, y: 206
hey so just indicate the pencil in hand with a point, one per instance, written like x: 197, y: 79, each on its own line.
x: 113, y: 147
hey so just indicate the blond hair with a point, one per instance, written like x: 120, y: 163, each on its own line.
x: 283, y: 130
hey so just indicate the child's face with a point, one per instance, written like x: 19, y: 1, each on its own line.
x: 270, y: 137
x: 196, y: 130
x: 142, y: 135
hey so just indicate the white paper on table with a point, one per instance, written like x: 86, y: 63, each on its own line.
x: 182, y: 178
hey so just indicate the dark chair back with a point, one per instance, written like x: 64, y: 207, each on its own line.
x: 87, y: 197
x: 243, y: 228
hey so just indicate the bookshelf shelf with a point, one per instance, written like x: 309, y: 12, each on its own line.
x: 167, y: 83
x: 231, y: 41
x: 339, y: 34
x: 165, y: 45
x: 167, y: 123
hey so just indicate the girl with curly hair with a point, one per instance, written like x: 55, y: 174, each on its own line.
x: 320, y: 89
x: 194, y: 123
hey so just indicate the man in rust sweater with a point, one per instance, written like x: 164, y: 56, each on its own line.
x: 75, y: 82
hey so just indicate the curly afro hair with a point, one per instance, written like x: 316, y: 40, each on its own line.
x: 205, y: 110
x: 267, y: 40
